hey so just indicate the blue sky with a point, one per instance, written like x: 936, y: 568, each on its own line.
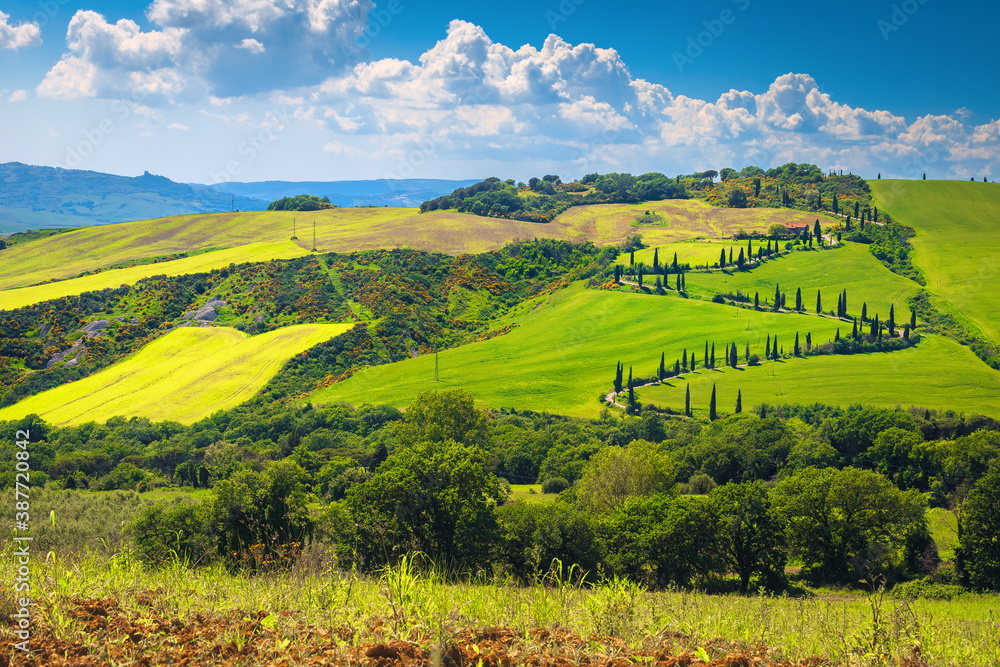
x: 203, y: 91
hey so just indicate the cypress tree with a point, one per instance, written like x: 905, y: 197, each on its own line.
x: 906, y: 333
x: 796, y: 349
x: 845, y: 303
x: 677, y: 367
x: 631, y: 258
x: 836, y: 206
x: 712, y: 363
x: 735, y: 356
x: 756, y: 300
x: 618, y: 273
x: 913, y: 319
x: 782, y: 300
x: 687, y: 401
x: 809, y: 339
x: 684, y: 363
x: 748, y: 353
x: 618, y: 378
x: 767, y: 350
x: 768, y: 247
x: 631, y: 391
x: 656, y: 260
x: 711, y: 406
x: 705, y: 358
x: 819, y: 302
x: 892, y: 321
x: 798, y: 299
x: 730, y: 257
x: 880, y: 334
x: 774, y: 347
x: 659, y: 285
x: 722, y: 258
x: 854, y: 334
x: 639, y: 276
x: 629, y: 377
x: 875, y: 214
x: 864, y: 311
x: 857, y: 209
x: 740, y: 261
x: 848, y: 225
x: 684, y: 287
x: 675, y: 262
x: 694, y: 362
x: 663, y: 369
x: 678, y: 282
x: 739, y: 401
x: 836, y: 339
x: 817, y: 231
x: 777, y: 298
x: 749, y: 250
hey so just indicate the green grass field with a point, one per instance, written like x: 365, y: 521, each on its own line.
x: 183, y: 376
x: 348, y: 229
x: 944, y: 530
x: 563, y: 355
x: 522, y: 492
x: 255, y: 252
x: 938, y: 373
x: 957, y: 245
x: 850, y: 267
x: 695, y: 252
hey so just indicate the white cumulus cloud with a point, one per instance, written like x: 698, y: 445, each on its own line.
x: 19, y: 35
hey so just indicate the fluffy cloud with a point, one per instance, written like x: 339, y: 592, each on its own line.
x: 224, y: 49
x: 469, y: 99
x: 20, y: 35
x: 579, y: 105
x: 18, y: 96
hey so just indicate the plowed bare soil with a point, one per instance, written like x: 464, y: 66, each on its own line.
x: 103, y: 633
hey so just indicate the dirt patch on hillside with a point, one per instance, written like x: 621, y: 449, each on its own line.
x: 101, y: 632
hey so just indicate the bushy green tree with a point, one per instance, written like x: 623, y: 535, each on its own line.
x: 752, y: 532
x: 431, y: 496
x: 618, y: 473
x: 846, y: 524
x: 980, y: 528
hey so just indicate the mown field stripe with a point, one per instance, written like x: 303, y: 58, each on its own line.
x: 255, y: 252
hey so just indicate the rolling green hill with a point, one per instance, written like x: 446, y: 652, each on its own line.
x: 342, y: 230
x: 850, y: 267
x: 183, y: 376
x: 957, y: 245
x: 563, y: 355
x: 937, y: 374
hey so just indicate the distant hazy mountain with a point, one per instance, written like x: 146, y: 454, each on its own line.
x: 381, y: 192
x: 37, y: 197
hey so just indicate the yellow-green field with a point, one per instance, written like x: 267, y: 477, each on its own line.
x: 349, y: 229
x: 957, y: 245
x: 563, y: 356
x: 939, y: 373
x: 255, y: 252
x: 184, y: 376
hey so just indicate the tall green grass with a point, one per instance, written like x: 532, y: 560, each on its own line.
x: 406, y: 602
